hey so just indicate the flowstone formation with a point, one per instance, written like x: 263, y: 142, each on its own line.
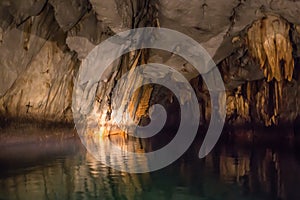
x: 255, y: 44
x: 265, y: 71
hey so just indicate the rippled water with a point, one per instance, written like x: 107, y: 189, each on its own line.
x: 60, y: 168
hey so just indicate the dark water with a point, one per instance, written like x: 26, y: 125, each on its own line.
x: 60, y: 168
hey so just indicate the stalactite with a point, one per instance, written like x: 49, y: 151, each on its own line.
x: 260, y: 67
x: 269, y: 42
x: 242, y: 105
x: 249, y: 91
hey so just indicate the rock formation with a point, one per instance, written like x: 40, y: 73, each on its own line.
x: 255, y: 45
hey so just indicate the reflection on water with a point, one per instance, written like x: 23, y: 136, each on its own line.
x: 236, y: 169
x: 116, y: 149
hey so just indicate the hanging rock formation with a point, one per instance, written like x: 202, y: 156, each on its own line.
x: 263, y: 70
x: 254, y: 43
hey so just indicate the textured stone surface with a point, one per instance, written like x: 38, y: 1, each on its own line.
x: 37, y: 72
x: 68, y: 13
x: 42, y: 43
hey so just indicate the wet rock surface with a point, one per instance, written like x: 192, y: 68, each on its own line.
x: 255, y: 44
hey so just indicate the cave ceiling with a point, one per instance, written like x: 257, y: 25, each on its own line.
x: 242, y: 37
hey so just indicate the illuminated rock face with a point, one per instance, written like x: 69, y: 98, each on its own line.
x: 269, y: 42
x: 265, y: 73
x: 256, y: 45
x: 37, y: 71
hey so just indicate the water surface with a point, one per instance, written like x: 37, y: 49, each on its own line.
x: 53, y: 164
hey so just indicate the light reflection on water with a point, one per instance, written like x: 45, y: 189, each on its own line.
x: 236, y: 169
